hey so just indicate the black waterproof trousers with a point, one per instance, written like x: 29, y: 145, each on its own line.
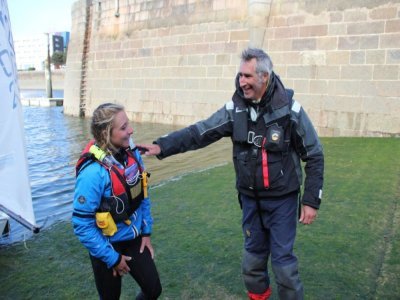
x: 143, y: 270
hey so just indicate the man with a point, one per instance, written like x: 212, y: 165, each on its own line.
x: 270, y: 133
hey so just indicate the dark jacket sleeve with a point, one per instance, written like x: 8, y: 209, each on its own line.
x: 309, y: 148
x: 198, y: 135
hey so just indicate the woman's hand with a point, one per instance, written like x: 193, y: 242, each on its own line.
x: 147, y: 243
x: 122, y: 268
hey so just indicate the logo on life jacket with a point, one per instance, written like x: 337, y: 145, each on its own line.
x: 275, y: 136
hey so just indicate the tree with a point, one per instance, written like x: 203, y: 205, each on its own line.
x: 58, y: 59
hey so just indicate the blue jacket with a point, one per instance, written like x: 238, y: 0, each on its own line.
x: 93, y: 182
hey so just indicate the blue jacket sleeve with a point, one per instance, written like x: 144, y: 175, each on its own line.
x: 91, y: 184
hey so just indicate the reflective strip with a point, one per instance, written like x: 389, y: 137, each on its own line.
x: 253, y: 114
x: 265, y: 165
x: 296, y: 106
x: 229, y: 105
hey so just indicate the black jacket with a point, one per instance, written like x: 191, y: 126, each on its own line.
x: 281, y: 128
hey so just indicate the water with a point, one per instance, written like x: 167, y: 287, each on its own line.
x: 40, y: 93
x: 54, y: 142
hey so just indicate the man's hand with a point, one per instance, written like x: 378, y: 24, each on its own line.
x: 149, y: 149
x: 308, y: 214
x: 122, y: 268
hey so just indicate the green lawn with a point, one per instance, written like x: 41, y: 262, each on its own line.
x: 352, y: 251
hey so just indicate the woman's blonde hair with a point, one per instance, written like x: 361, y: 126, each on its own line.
x: 102, y: 121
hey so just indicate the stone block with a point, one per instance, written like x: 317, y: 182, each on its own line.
x: 375, y: 57
x: 343, y: 88
x: 301, y: 86
x: 337, y: 58
x: 393, y: 56
x: 349, y: 43
x: 356, y: 72
x: 239, y: 35
x: 304, y: 44
x: 390, y: 41
x: 382, y: 105
x: 221, y: 36
x: 386, y: 72
x: 281, y: 70
x: 280, y: 45
x: 312, y: 31
x: 369, y: 42
x: 392, y: 26
x: 357, y: 57
x: 355, y: 15
x: 327, y: 43
x: 289, y: 8
x: 232, y: 47
x: 301, y: 72
x: 191, y: 84
x: 279, y: 21
x: 388, y: 88
x: 194, y: 60
x: 318, y: 87
x: 288, y: 58
x: 317, y: 58
x: 286, y: 32
x: 336, y: 16
x: 328, y: 72
x: 383, y: 13
x: 223, y: 59
x: 295, y: 20
x: 214, y: 71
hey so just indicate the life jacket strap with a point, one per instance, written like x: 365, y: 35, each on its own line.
x: 265, y: 164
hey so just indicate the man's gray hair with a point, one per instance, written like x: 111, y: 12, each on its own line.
x: 264, y: 63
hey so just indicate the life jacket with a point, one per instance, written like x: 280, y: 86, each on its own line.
x: 262, y: 148
x: 127, y: 192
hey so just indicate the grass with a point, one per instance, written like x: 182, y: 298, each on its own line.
x: 352, y: 251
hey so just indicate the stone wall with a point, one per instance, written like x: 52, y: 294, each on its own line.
x: 175, y: 61
x: 35, y: 80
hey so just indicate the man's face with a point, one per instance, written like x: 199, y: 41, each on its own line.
x: 252, y: 84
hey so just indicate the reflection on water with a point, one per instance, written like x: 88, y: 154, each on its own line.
x: 54, y: 142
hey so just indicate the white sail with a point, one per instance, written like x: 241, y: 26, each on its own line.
x: 15, y: 191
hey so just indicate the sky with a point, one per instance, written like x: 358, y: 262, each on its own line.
x: 29, y: 17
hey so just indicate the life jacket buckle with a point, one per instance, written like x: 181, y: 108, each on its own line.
x: 254, y: 139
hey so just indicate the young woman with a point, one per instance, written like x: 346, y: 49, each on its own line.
x: 111, y: 209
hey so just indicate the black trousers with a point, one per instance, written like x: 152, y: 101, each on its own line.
x: 143, y: 270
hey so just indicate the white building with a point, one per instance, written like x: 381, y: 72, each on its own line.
x: 31, y: 51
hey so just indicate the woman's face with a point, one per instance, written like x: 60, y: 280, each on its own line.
x: 121, y: 130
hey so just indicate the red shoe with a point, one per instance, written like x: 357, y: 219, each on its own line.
x: 263, y: 296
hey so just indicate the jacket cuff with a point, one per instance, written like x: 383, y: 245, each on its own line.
x: 118, y: 261
x: 159, y: 156
x: 146, y: 234
x: 311, y: 200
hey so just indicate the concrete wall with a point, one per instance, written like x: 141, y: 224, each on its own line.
x: 175, y: 61
x: 36, y: 80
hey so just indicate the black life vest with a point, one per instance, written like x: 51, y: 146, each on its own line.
x: 262, y: 148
